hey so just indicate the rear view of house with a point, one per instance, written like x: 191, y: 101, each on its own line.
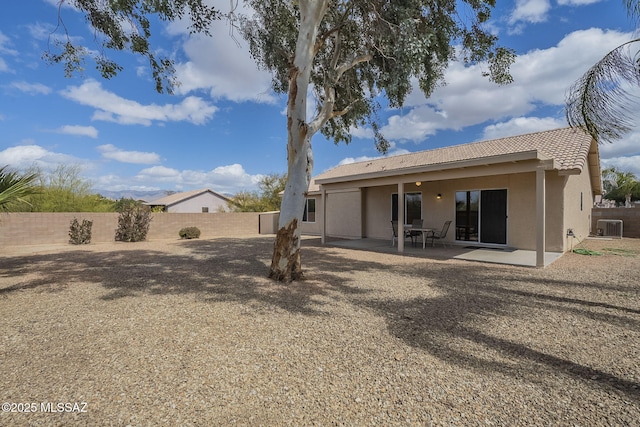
x: 532, y: 192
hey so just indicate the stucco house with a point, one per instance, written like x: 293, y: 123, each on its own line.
x: 196, y: 201
x: 531, y: 192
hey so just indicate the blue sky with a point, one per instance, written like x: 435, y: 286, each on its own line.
x: 224, y: 128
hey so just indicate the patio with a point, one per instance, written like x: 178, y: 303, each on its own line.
x: 507, y: 256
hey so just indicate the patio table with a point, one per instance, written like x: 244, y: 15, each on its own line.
x: 424, y: 233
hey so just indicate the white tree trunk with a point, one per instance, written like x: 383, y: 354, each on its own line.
x: 285, y: 264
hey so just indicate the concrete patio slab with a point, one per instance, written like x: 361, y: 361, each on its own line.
x: 511, y: 257
x: 492, y: 255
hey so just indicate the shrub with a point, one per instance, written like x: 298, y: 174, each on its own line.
x: 80, y: 234
x: 133, y: 223
x: 189, y: 233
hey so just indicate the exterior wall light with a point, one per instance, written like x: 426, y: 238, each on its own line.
x: 418, y: 183
x: 439, y: 196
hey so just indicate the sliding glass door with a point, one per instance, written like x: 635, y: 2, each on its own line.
x: 467, y: 205
x: 481, y: 216
x: 412, y: 207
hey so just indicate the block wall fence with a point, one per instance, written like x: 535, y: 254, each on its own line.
x: 22, y: 228
x: 630, y: 219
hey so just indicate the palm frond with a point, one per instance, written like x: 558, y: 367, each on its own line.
x: 604, y: 101
x: 633, y: 7
x: 15, y: 187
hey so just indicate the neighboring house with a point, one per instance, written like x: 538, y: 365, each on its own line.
x: 195, y: 201
x: 522, y: 192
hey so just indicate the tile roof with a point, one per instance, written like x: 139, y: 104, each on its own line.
x: 172, y: 199
x: 569, y: 148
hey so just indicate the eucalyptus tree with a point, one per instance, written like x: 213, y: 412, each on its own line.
x: 348, y: 54
x: 604, y: 101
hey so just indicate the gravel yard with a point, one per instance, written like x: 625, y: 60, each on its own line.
x: 191, y: 333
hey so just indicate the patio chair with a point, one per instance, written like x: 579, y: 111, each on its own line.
x: 415, y: 225
x: 411, y: 234
x: 440, y: 235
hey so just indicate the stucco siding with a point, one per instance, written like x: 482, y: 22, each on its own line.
x: 521, y: 207
x: 578, y: 199
x: 195, y: 204
x: 378, y: 212
x: 345, y: 219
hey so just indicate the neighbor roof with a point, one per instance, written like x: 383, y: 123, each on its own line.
x: 568, y: 148
x: 172, y: 199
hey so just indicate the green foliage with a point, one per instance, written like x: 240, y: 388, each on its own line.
x: 620, y: 186
x: 133, y: 223
x: 126, y: 25
x: 265, y: 200
x: 126, y: 203
x: 368, y: 47
x: 15, y: 188
x: 80, y: 233
x: 64, y: 190
x: 190, y: 233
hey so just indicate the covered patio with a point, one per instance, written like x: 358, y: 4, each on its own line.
x: 518, y: 200
x: 508, y: 256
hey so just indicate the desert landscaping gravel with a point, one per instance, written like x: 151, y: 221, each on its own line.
x: 192, y: 333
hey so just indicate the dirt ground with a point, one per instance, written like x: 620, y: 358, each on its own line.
x: 192, y: 333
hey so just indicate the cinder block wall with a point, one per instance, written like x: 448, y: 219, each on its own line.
x: 49, y: 228
x: 630, y: 219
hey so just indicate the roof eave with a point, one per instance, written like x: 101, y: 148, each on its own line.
x: 458, y: 164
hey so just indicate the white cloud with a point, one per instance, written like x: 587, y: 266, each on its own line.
x: 112, y: 152
x: 89, y: 131
x: 521, y: 125
x: 530, y: 11
x: 225, y: 179
x: 541, y: 78
x: 361, y: 132
x: 25, y: 156
x: 5, y: 50
x: 626, y: 164
x: 4, y: 45
x: 31, y: 88
x: 627, y: 146
x: 577, y: 2
x: 221, y: 64
x: 113, y: 108
x: 56, y: 3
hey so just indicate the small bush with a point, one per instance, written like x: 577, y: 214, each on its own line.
x: 189, y: 233
x: 133, y: 223
x: 80, y: 234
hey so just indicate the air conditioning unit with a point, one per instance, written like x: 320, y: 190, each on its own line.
x: 610, y: 228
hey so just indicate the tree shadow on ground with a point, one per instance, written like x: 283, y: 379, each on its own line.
x: 442, y: 323
x: 213, y: 270
x: 446, y: 325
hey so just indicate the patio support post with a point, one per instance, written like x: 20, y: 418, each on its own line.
x: 400, y: 217
x: 540, y: 216
x: 323, y: 231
